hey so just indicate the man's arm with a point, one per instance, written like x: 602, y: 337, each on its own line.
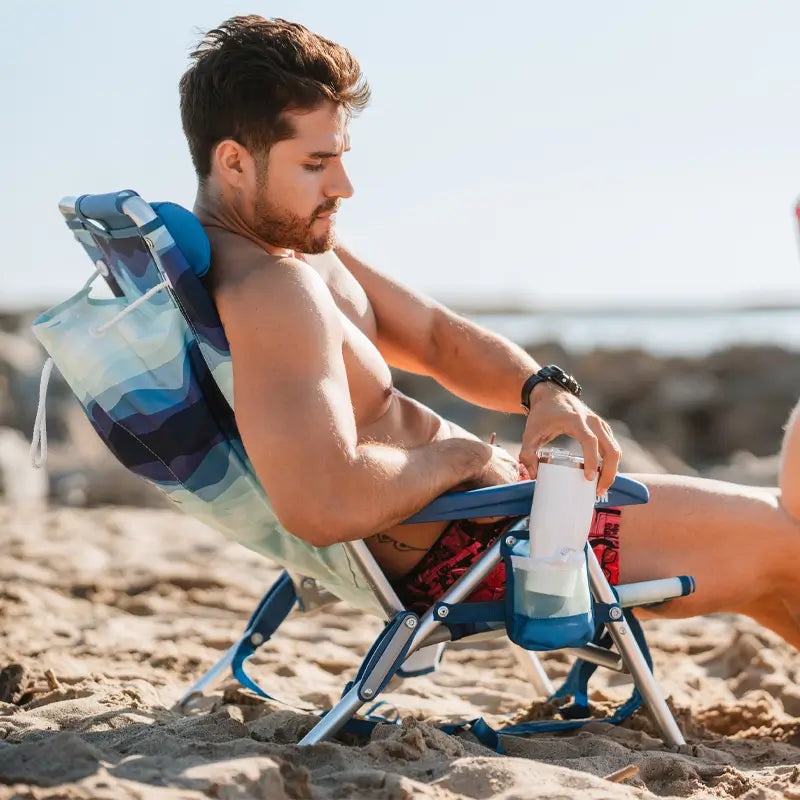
x: 482, y: 367
x: 418, y: 334
x: 294, y: 412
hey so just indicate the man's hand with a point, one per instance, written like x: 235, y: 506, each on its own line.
x: 501, y: 468
x: 555, y: 412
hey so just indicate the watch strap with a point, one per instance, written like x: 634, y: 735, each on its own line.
x: 553, y: 374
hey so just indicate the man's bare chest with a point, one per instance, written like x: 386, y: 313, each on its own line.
x: 347, y: 293
x: 368, y: 374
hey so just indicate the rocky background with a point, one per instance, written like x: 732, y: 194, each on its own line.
x: 718, y: 416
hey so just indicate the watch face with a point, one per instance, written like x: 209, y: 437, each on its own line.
x: 563, y: 379
x: 553, y: 373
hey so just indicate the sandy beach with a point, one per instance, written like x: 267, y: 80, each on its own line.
x: 107, y: 615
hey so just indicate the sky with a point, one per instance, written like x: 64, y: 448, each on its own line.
x: 539, y: 153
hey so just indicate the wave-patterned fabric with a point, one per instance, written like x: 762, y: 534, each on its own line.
x: 157, y: 387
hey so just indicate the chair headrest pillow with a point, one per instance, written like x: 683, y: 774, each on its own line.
x: 188, y: 233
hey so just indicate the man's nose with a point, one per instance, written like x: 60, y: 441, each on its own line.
x: 340, y: 185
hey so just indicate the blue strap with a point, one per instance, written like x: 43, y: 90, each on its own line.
x: 577, y: 680
x: 465, y: 619
x: 604, y: 613
x: 574, y: 685
x: 271, y: 611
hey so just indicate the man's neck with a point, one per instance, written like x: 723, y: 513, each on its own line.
x: 215, y: 214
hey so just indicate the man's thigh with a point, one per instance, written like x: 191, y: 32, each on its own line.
x: 733, y: 539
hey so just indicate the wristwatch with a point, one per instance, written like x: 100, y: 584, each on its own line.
x: 553, y: 373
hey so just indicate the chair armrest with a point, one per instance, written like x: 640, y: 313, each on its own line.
x: 514, y: 500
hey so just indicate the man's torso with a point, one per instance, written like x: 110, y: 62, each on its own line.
x: 382, y: 413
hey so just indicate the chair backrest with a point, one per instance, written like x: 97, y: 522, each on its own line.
x: 151, y: 369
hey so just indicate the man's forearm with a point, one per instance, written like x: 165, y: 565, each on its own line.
x: 386, y: 485
x: 479, y: 366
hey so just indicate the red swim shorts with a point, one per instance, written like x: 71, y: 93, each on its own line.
x: 463, y: 541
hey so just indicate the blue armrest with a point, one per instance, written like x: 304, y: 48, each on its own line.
x: 514, y: 500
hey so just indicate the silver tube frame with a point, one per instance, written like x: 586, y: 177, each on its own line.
x: 66, y: 205
x: 138, y: 210
x: 336, y: 718
x: 634, y: 658
x: 530, y: 662
x: 375, y: 577
x: 598, y: 655
x: 428, y: 632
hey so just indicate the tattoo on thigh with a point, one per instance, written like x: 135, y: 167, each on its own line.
x: 401, y: 547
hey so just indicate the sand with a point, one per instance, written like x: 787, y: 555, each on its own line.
x: 107, y: 616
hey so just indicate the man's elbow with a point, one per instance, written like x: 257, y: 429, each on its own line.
x: 443, y: 326
x: 319, y: 530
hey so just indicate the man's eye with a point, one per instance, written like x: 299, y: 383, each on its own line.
x: 315, y: 167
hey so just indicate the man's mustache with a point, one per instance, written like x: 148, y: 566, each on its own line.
x: 326, y: 207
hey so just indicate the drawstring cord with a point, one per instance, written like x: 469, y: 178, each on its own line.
x: 99, y: 330
x: 39, y: 440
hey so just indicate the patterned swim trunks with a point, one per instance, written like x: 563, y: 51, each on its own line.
x: 463, y: 541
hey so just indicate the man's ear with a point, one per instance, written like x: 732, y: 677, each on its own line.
x: 232, y: 162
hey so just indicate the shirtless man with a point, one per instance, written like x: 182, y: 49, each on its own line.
x: 313, y: 330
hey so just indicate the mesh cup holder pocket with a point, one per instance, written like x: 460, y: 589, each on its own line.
x: 548, y: 604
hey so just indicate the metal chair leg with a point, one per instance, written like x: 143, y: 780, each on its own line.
x: 634, y: 658
x: 534, y: 671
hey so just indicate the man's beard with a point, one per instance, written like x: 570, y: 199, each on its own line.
x: 281, y: 228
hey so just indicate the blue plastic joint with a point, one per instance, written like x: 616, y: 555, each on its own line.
x: 387, y: 655
x: 606, y: 613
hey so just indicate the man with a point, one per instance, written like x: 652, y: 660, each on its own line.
x: 313, y: 330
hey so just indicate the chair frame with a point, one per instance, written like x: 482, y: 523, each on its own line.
x: 428, y: 630
x: 412, y: 632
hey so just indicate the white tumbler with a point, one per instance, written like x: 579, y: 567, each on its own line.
x: 561, y: 514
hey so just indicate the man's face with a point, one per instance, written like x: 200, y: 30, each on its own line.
x: 302, y: 183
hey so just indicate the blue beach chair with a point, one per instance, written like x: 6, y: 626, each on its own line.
x: 151, y: 368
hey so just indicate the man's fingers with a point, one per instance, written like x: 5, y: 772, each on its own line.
x: 529, y: 459
x: 529, y: 454
x: 591, y: 452
x: 609, y: 450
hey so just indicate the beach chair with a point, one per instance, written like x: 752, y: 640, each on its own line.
x: 151, y: 368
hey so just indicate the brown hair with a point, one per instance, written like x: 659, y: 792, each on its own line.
x: 248, y: 71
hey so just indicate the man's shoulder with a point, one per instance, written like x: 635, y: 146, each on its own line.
x: 255, y: 291
x: 242, y: 269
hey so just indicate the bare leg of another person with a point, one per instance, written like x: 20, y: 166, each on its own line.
x: 772, y: 613
x: 742, y: 548
x: 789, y: 477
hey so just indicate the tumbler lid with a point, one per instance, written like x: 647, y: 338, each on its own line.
x: 560, y: 457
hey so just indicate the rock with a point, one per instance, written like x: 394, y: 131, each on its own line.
x: 104, y: 483
x: 20, y: 483
x: 747, y: 468
x: 21, y: 361
x: 702, y: 409
x: 635, y: 458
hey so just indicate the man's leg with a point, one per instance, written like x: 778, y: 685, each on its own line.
x: 737, y: 542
